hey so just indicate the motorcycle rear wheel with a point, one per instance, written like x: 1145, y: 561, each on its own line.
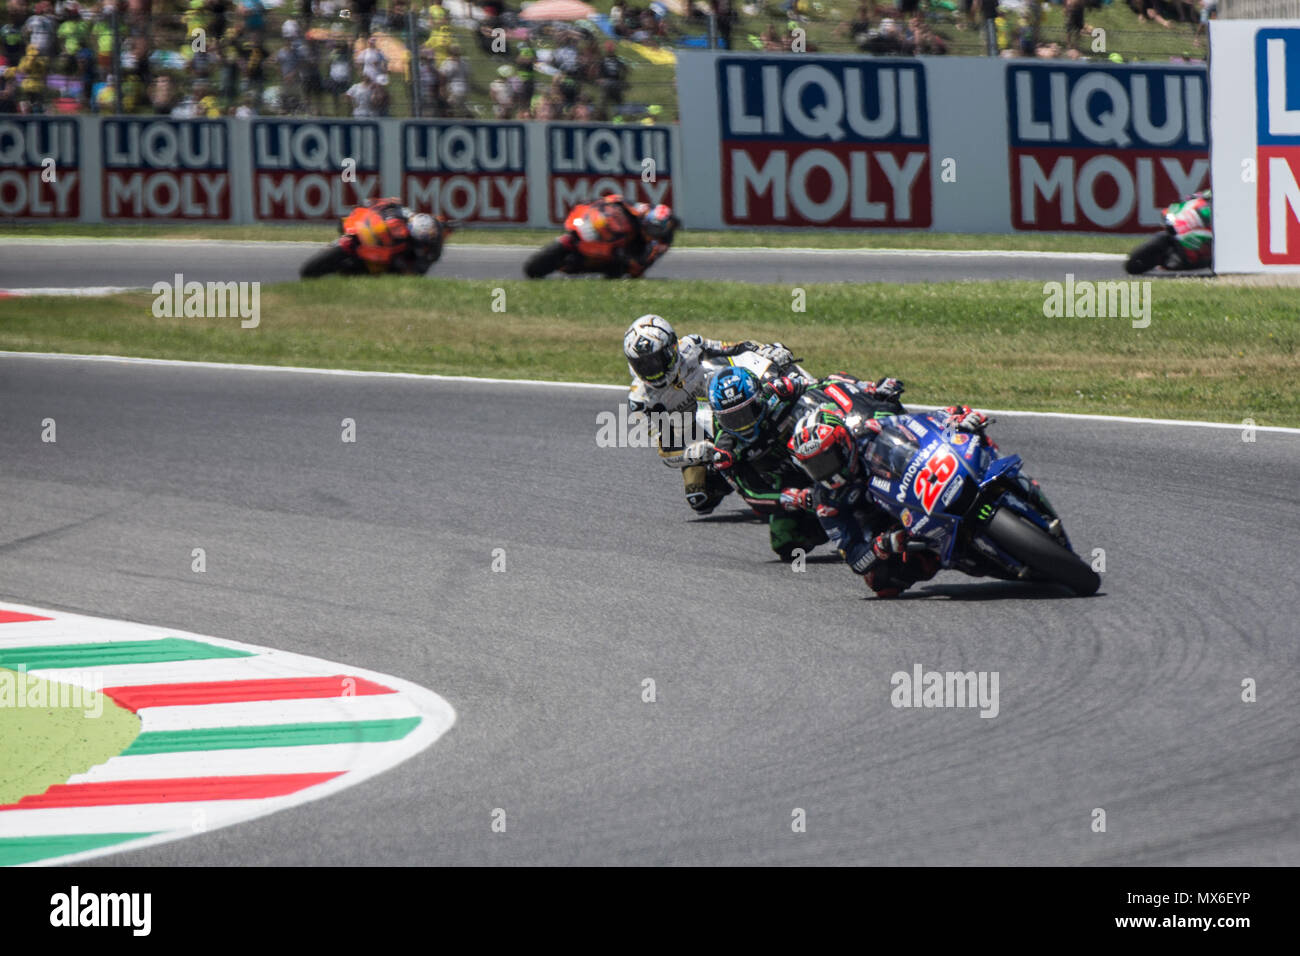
x: 1034, y: 547
x: 1148, y: 255
x: 546, y: 260
x: 329, y: 260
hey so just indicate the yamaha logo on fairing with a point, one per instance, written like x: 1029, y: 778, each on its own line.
x: 913, y: 468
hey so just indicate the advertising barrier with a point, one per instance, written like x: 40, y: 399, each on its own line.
x: 950, y: 144
x: 960, y: 144
x: 313, y: 169
x: 465, y: 170
x: 590, y: 159
x: 836, y: 142
x: 1255, y: 81
x: 165, y: 169
x: 40, y: 168
x: 1103, y: 149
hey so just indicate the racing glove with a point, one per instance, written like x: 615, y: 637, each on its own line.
x: 890, y: 543
x: 698, y: 453
x: 966, y: 419
x: 890, y: 389
x: 777, y: 354
x: 785, y: 388
x: 796, y: 499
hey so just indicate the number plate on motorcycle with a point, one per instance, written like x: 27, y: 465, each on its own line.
x: 934, y: 477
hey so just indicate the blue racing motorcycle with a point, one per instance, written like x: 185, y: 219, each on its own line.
x: 959, y: 499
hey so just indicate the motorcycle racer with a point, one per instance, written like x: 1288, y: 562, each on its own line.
x: 1191, y: 219
x: 668, y: 376
x: 415, y: 238
x: 753, y: 420
x: 650, y: 231
x: 839, y: 463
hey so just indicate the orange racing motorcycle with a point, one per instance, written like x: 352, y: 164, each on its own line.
x: 382, y: 237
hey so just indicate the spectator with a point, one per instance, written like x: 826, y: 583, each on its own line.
x: 428, y: 78
x: 362, y: 12
x: 453, y: 75
x: 611, y: 76
x: 39, y: 30
x: 163, y: 96
x: 362, y: 97
x: 1074, y: 25
x: 373, y: 62
x: 340, y: 75
x: 33, y: 67
x: 501, y: 90
x: 8, y: 90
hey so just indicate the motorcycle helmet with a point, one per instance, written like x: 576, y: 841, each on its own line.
x: 659, y: 222
x: 650, y: 345
x: 823, y: 448
x: 737, y: 402
x: 423, y: 228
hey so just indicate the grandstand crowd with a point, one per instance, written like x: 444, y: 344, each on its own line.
x: 448, y: 58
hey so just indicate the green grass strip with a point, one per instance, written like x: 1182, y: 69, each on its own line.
x: 120, y: 652
x: 272, y: 735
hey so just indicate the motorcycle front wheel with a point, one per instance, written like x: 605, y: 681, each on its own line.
x: 329, y: 260
x: 1148, y: 255
x: 546, y: 260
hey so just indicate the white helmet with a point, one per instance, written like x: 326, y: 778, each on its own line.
x: 651, y: 349
x: 423, y: 228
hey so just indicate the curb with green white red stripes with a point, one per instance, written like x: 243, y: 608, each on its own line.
x: 229, y: 732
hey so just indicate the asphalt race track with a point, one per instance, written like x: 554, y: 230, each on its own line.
x: 773, y: 687
x: 47, y: 264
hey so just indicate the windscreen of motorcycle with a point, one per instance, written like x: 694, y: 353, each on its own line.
x: 890, y: 453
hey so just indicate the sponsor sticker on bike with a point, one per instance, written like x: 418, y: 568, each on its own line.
x: 939, y: 470
x: 953, y: 490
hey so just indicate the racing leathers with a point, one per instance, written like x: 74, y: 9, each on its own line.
x: 640, y: 252
x: 866, y: 536
x: 412, y: 256
x: 761, y: 468
x: 1190, y: 220
x: 679, y: 398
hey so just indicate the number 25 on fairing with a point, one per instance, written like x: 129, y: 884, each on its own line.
x: 932, y: 479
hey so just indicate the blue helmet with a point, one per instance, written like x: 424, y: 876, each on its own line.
x: 737, y: 402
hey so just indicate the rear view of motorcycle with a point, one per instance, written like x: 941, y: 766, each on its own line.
x: 1185, y: 242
